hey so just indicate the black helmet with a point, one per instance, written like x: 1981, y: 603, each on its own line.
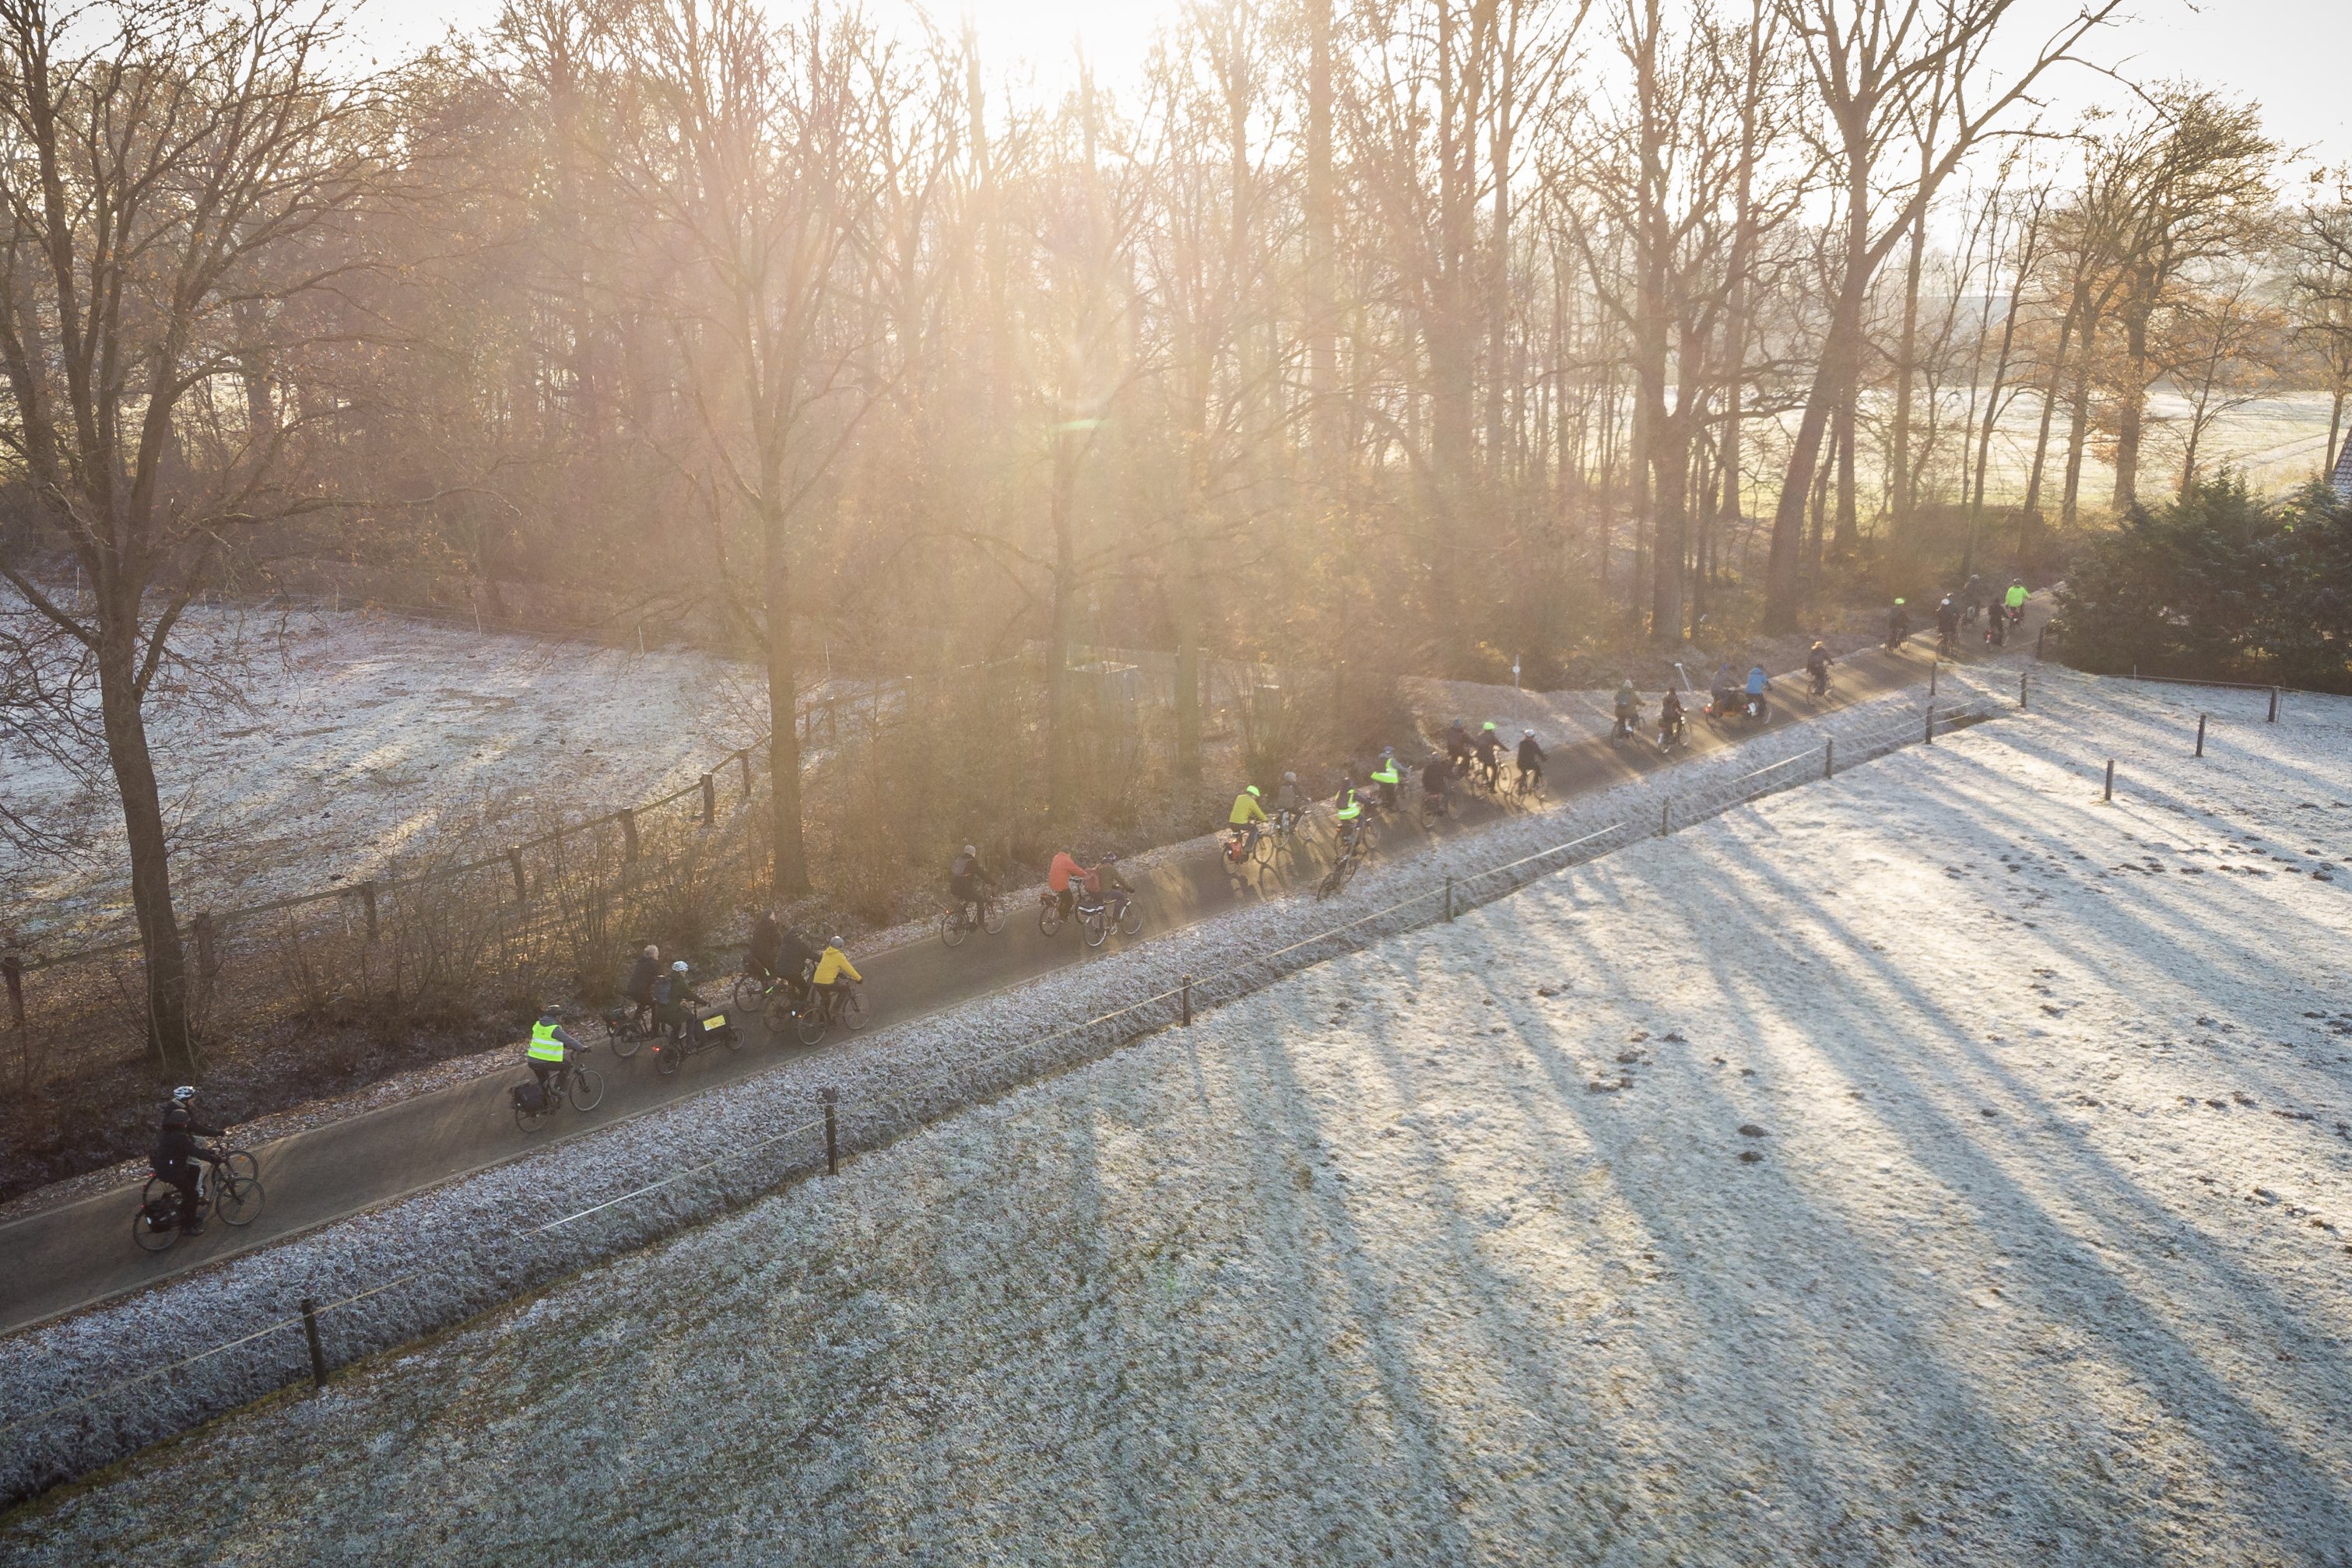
x: 177, y: 1116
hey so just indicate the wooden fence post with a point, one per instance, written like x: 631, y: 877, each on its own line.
x: 1829, y: 757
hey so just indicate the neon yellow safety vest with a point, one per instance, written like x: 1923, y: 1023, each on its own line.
x: 1385, y: 773
x: 544, y: 1046
x: 1351, y: 811
x: 2016, y: 597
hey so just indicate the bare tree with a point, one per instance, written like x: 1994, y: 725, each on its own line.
x: 164, y: 186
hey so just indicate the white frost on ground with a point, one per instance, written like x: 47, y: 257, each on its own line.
x: 366, y: 740
x: 1448, y: 1251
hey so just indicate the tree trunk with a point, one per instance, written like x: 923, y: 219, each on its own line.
x: 2129, y: 417
x: 1848, y: 525
x: 1322, y: 309
x: 791, y: 878
x: 1906, y: 349
x: 1670, y: 465
x: 2078, y: 429
x: 2049, y: 407
x: 168, y: 1033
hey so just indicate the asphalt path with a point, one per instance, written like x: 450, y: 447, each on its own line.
x: 59, y: 1261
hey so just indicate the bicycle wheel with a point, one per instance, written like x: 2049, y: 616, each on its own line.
x: 810, y: 1020
x: 1049, y: 919
x: 952, y: 929
x: 587, y: 1089
x: 1098, y: 929
x: 532, y: 1120
x: 734, y: 1035
x: 853, y: 1008
x: 151, y: 1237
x: 991, y: 916
x: 668, y: 1055
x: 1347, y: 870
x: 779, y: 1016
x: 238, y: 1163
x: 238, y: 1200
x: 1264, y: 853
x: 1130, y: 919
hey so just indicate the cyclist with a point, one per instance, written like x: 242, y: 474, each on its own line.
x: 1457, y: 745
x: 834, y: 969
x: 1433, y: 775
x: 176, y: 1153
x: 642, y: 976
x: 1629, y: 709
x: 1758, y: 683
x: 1817, y: 665
x: 1065, y: 869
x: 1531, y: 760
x: 551, y: 1046
x: 1724, y: 689
x: 966, y: 881
x: 1247, y: 817
x: 1347, y: 812
x: 1898, y: 624
x: 764, y: 952
x: 1290, y: 802
x: 1104, y: 882
x: 675, y: 1001
x: 1948, y: 624
x: 2014, y: 599
x: 1385, y: 775
x: 1670, y: 718
x: 1490, y: 754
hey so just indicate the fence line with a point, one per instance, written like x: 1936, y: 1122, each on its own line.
x: 1893, y: 733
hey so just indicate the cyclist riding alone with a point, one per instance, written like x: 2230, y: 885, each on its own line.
x: 1490, y: 753
x: 967, y: 881
x: 1347, y: 812
x: 674, y: 1002
x: 1817, y: 665
x: 1385, y: 775
x: 1898, y: 623
x: 1246, y: 818
x: 1629, y: 710
x: 176, y: 1153
x: 1290, y: 802
x: 1670, y: 718
x: 1531, y: 758
x: 1064, y: 871
x: 549, y: 1043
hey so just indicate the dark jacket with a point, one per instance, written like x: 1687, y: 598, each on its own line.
x: 175, y: 1145
x: 642, y: 975
x: 767, y: 942
x: 793, y: 954
x: 1529, y: 752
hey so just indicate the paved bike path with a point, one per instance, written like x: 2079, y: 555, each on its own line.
x: 61, y: 1260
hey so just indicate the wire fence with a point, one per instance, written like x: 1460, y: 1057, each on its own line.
x: 750, y: 1168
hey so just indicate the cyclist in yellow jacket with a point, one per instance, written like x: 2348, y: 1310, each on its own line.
x: 833, y: 965
x: 1246, y: 819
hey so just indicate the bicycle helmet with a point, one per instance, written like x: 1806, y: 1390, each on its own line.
x: 552, y: 1011
x: 184, y: 1095
x: 833, y: 941
x: 1251, y: 790
x: 1490, y: 724
x: 678, y: 967
x: 1110, y: 860
x: 969, y: 851
x: 177, y: 1116
x: 1527, y: 735
x: 1291, y: 778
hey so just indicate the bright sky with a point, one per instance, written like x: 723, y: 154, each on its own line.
x: 2296, y: 56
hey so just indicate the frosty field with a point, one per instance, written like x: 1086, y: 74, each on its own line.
x: 1932, y: 1165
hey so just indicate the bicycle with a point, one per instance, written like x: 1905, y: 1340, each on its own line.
x: 628, y: 1028
x: 957, y: 922
x: 828, y: 1005
x: 1240, y: 851
x: 230, y: 1190
x: 1432, y: 807
x: 1284, y: 833
x: 1343, y: 870
x: 1098, y: 916
x: 1529, y: 787
x: 533, y: 1104
x: 1821, y: 681
x: 701, y: 1034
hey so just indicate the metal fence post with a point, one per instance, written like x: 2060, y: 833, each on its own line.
x: 2109, y: 793
x: 709, y: 800
x: 1934, y: 669
x: 1829, y: 757
x: 2273, y: 718
x: 1666, y: 817
x: 829, y: 1098
x: 1449, y: 900
x: 627, y: 816
x: 2200, y: 734
x: 1931, y: 724
x: 1188, y: 1001
x: 2020, y: 691
x: 318, y: 1351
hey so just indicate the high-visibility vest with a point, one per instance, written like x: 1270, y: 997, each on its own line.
x: 1385, y: 773
x: 1349, y: 810
x: 544, y: 1046
x: 2016, y: 596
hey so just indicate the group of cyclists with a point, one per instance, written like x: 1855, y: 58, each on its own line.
x: 1961, y: 608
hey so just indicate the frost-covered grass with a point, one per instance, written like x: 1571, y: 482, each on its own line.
x: 362, y: 741
x: 1450, y: 1249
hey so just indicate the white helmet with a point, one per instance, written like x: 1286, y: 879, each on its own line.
x: 969, y: 851
x: 184, y: 1093
x: 678, y: 967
